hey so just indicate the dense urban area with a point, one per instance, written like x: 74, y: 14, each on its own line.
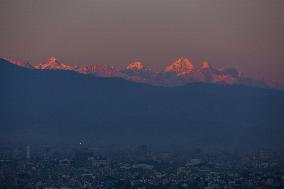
x: 139, y: 167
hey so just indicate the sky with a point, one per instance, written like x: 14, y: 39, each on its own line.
x: 245, y: 34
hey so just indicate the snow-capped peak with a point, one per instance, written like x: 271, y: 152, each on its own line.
x: 135, y: 65
x: 53, y: 64
x: 52, y: 61
x: 205, y: 65
x: 181, y: 66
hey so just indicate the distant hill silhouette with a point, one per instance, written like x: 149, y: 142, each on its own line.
x: 65, y: 107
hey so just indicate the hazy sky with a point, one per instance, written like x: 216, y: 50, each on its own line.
x: 246, y: 34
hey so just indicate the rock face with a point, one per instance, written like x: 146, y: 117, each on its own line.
x: 180, y: 72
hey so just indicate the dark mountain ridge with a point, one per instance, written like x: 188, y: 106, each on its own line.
x: 65, y: 107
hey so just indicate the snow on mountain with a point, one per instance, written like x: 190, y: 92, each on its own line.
x: 136, y: 71
x: 180, y: 67
x: 214, y: 75
x: 205, y: 65
x: 53, y: 64
x: 136, y: 66
x: 180, y: 72
x: 185, y: 72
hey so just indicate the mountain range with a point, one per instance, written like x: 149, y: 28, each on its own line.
x: 64, y: 107
x: 180, y: 72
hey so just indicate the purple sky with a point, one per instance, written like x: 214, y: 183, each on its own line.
x: 246, y: 34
